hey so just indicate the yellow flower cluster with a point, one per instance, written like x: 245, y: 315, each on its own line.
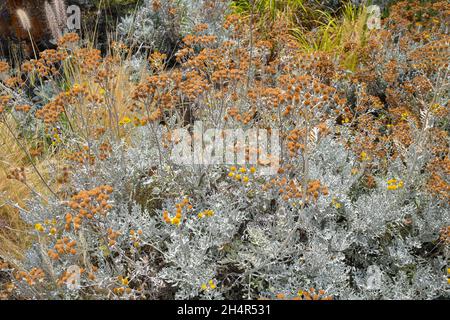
x: 240, y: 175
x: 211, y: 284
x: 207, y: 213
x: 39, y: 227
x: 336, y: 203
x: 124, y: 121
x: 394, y: 184
x: 179, y: 206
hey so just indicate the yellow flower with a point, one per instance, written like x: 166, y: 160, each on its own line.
x: 125, y: 281
x: 364, y: 156
x: 124, y: 121
x: 231, y: 174
x: 212, y: 285
x: 176, y: 221
x: 233, y: 169
x: 335, y: 203
x: 245, y: 179
x: 237, y: 177
x: 209, y: 213
x: 39, y: 227
x: 102, y: 92
x: 204, y: 286
x: 242, y: 170
x: 252, y: 169
x: 394, y: 184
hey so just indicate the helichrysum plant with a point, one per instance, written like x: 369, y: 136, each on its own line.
x: 357, y: 208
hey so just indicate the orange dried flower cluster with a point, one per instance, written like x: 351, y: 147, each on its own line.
x: 88, y: 60
x: 105, y: 150
x: 203, y: 40
x: 47, y: 64
x: 112, y: 236
x: 32, y: 277
x: 179, y: 211
x: 68, y: 40
x: 244, y: 117
x: 291, y: 189
x: 14, y: 82
x: 312, y: 294
x: 87, y: 204
x: 194, y: 85
x: 68, y: 276
x: 82, y: 157
x: 62, y: 246
x: 23, y: 108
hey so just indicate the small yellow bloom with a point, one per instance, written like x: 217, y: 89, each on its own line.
x: 233, y: 169
x: 245, y: 179
x: 125, y: 281
x: 209, y: 213
x: 231, y: 174
x: 39, y: 227
x: 176, y: 221
x: 237, y: 177
x: 242, y: 170
x: 201, y: 215
x: 204, y: 286
x: 125, y: 120
x: 252, y: 169
x: 212, y: 285
x: 392, y: 187
x: 335, y: 203
x: 364, y: 156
